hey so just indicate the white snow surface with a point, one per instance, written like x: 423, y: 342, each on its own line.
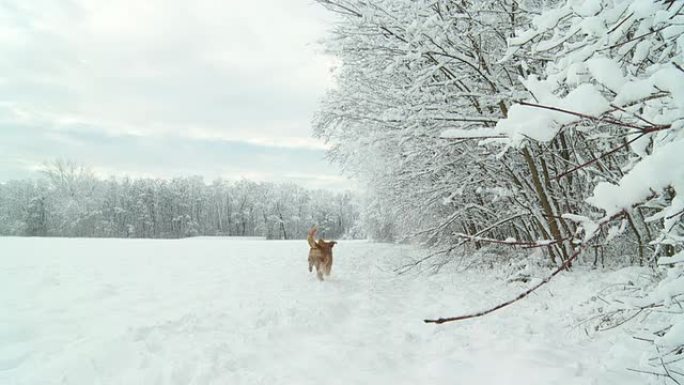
x: 654, y: 172
x: 222, y: 311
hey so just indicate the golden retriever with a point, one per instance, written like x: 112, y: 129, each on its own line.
x: 320, y: 254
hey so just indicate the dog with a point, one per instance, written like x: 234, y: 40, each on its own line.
x: 320, y: 254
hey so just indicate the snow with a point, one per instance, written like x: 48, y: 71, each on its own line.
x: 607, y: 72
x: 590, y: 227
x: 594, y: 26
x: 675, y: 336
x: 633, y: 91
x: 542, y: 124
x: 584, y: 99
x: 667, y: 78
x: 654, y: 172
x: 587, y: 8
x: 522, y: 37
x: 641, y: 52
x: 677, y: 258
x: 223, y: 311
x: 459, y: 133
x: 672, y: 80
x: 550, y: 18
x: 643, y: 8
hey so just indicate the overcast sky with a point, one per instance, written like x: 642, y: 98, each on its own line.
x: 218, y: 88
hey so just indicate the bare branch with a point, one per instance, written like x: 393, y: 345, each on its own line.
x: 564, y: 266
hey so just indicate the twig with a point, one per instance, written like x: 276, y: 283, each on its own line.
x: 587, y: 163
x: 524, y: 244
x: 522, y: 295
x: 634, y: 38
x: 678, y: 67
x: 581, y: 115
x: 527, y: 292
x: 647, y: 372
x: 642, y: 339
x: 680, y: 212
x: 665, y: 367
x: 476, y: 137
x: 643, y: 129
x: 623, y: 321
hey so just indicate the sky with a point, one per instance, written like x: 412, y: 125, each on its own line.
x: 164, y: 88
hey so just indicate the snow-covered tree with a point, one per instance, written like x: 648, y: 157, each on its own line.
x: 426, y: 111
x: 542, y: 124
x: 70, y: 201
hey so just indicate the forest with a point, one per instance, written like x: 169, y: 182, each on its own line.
x: 70, y: 201
x: 523, y: 123
x: 529, y: 127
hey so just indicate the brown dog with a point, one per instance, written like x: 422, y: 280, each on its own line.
x: 320, y: 254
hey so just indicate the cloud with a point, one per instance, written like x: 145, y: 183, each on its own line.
x: 90, y: 78
x: 165, y: 156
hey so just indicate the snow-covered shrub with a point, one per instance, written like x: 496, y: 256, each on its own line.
x: 614, y: 78
x: 650, y: 307
x: 553, y: 125
x: 409, y: 70
x: 613, y: 84
x: 504, y: 122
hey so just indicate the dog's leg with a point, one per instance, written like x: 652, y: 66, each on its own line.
x: 319, y: 272
x: 328, y: 267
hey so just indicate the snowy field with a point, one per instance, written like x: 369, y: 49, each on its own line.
x: 246, y: 311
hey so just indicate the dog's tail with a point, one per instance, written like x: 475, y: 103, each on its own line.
x: 310, y: 238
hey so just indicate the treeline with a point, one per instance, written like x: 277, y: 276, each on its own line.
x: 71, y: 201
